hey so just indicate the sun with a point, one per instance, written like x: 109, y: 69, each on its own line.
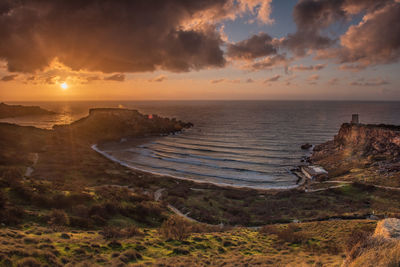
x: 64, y: 86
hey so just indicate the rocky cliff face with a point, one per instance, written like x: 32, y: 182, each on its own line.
x: 363, y: 140
x: 362, y: 152
x: 113, y: 123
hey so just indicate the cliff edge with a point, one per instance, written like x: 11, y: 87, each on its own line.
x: 362, y: 152
x: 104, y: 124
x: 11, y: 111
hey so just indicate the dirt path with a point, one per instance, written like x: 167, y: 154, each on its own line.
x: 30, y: 169
x: 158, y: 194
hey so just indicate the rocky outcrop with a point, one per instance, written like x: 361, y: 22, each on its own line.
x: 356, y: 147
x: 362, y: 141
x: 388, y: 228
x: 105, y: 124
x: 11, y: 111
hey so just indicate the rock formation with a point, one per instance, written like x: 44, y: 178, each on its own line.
x: 363, y: 140
x: 11, y: 111
x: 104, y: 124
x: 375, y: 148
x: 388, y: 228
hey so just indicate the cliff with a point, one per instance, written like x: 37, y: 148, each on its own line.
x: 373, y: 149
x: 10, y: 111
x: 113, y: 123
x: 363, y: 140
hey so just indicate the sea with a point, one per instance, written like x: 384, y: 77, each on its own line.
x: 236, y: 143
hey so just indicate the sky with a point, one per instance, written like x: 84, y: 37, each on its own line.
x: 199, y: 50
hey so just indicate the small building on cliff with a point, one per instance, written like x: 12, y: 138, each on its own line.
x: 314, y: 172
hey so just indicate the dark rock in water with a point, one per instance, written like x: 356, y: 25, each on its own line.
x: 11, y: 111
x: 306, y: 146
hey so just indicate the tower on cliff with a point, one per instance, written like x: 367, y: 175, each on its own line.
x: 354, y: 119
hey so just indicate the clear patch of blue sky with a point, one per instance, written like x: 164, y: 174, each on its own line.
x: 282, y: 13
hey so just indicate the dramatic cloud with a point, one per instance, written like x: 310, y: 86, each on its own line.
x: 369, y: 82
x: 333, y: 81
x: 160, y: 78
x: 267, y: 63
x: 313, y: 77
x: 92, y: 78
x: 115, y: 77
x: 249, y: 80
x: 111, y: 36
x: 119, y: 36
x: 217, y: 81
x: 375, y: 40
x: 259, y: 52
x: 261, y: 8
x: 272, y: 79
x: 8, y: 78
x: 307, y: 68
x: 256, y: 46
x: 312, y: 17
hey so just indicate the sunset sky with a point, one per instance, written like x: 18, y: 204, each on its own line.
x: 203, y: 49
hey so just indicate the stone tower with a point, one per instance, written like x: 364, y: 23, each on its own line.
x: 354, y: 119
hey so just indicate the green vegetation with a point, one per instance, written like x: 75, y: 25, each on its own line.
x: 316, y: 244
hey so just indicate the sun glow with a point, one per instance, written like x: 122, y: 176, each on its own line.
x: 64, y: 86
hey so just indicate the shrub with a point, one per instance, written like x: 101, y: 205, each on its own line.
x: 357, y: 236
x: 58, y: 218
x: 176, y: 228
x: 3, y: 200
x: 81, y: 210
x: 290, y: 234
x: 80, y: 222
x: 114, y: 232
x: 130, y: 255
x: 28, y: 262
x: 11, y: 215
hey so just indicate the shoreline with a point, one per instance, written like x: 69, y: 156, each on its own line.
x: 220, y: 185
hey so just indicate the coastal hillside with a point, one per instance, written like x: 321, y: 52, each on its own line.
x: 9, y: 111
x: 104, y: 124
x: 62, y: 203
x: 362, y: 152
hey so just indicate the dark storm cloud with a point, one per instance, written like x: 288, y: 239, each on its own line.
x: 256, y: 46
x: 110, y: 36
x: 8, y: 78
x: 115, y: 77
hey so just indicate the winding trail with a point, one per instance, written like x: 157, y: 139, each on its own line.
x: 30, y: 169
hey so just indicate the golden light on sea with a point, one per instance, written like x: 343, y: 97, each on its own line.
x: 64, y: 86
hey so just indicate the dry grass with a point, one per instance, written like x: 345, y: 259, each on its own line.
x: 289, y: 234
x: 116, y: 232
x: 374, y: 252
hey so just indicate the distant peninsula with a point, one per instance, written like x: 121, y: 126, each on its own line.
x: 12, y: 111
